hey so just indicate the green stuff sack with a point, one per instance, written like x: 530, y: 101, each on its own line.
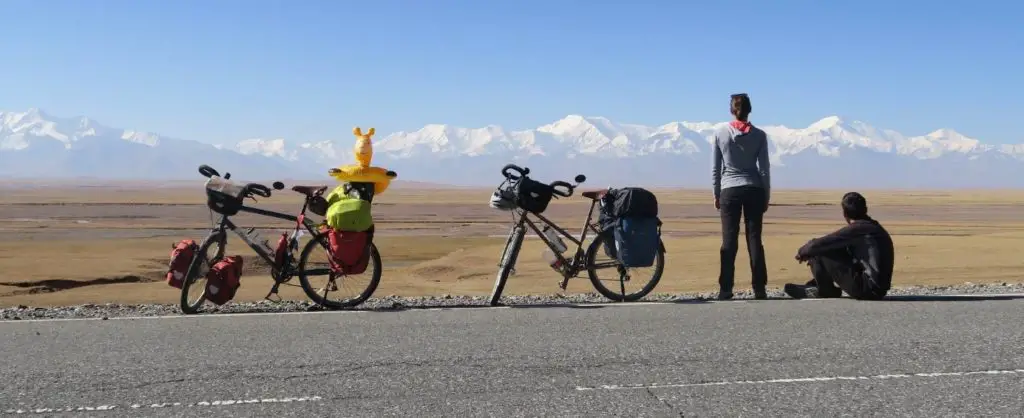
x: 347, y: 213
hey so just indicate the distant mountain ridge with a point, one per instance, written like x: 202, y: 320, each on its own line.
x: 832, y: 152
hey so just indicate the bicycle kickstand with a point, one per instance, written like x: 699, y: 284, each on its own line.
x: 564, y: 283
x: 273, y: 292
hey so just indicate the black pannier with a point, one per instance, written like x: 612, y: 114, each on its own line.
x: 223, y: 196
x: 635, y: 202
x: 533, y: 196
x: 626, y: 202
x: 630, y: 226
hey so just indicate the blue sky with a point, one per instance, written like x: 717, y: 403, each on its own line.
x: 222, y: 70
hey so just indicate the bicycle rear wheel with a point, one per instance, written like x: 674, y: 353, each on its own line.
x: 508, y: 262
x: 196, y: 276
x: 620, y: 275
x: 320, y: 266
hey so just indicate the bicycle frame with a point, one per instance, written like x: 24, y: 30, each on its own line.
x: 574, y: 266
x: 226, y: 224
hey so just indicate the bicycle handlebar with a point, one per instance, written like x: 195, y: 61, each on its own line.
x: 561, y: 188
x: 568, y: 187
x: 512, y: 167
x: 259, y: 189
x: 250, y: 189
x: 208, y: 171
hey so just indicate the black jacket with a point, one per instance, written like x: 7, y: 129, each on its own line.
x: 866, y: 242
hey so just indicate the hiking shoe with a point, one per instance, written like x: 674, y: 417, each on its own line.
x: 760, y: 294
x: 724, y: 295
x: 811, y: 291
x: 796, y: 291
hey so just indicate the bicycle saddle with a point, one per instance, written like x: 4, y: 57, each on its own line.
x: 309, y: 190
x: 594, y: 194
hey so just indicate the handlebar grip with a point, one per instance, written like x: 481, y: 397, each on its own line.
x: 208, y: 171
x: 505, y: 171
x: 258, y: 189
x: 568, y: 187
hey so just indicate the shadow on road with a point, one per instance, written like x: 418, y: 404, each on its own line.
x: 564, y: 305
x: 949, y: 298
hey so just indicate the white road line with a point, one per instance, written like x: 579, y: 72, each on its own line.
x: 442, y: 308
x: 805, y: 380
x: 230, y: 402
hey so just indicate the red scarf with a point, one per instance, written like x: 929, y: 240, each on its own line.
x: 740, y: 125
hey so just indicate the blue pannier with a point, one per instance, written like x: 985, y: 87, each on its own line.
x: 637, y: 241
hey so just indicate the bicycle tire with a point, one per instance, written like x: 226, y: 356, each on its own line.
x: 508, y: 261
x: 220, y: 239
x: 311, y: 293
x: 595, y: 246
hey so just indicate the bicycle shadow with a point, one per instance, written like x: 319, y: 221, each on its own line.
x: 462, y: 306
x: 951, y: 298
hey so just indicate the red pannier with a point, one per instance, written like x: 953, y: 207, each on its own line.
x: 224, y: 279
x: 350, y: 250
x: 182, y: 254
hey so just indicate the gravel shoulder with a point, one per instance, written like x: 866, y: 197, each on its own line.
x: 387, y: 303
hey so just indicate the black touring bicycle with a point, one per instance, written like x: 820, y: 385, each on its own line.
x: 523, y: 196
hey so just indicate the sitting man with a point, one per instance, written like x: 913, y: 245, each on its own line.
x: 858, y: 258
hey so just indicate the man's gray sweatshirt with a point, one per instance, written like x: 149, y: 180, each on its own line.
x: 739, y: 157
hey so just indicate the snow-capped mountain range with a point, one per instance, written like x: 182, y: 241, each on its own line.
x: 832, y: 152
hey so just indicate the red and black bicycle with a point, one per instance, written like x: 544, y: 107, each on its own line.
x: 227, y: 199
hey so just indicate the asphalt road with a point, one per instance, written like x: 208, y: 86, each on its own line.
x: 737, y: 358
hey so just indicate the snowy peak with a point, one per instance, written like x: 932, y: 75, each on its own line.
x: 33, y: 142
x: 19, y: 130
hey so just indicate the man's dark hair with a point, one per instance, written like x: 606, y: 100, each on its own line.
x: 855, y: 206
x: 739, y: 105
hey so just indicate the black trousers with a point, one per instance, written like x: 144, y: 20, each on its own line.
x: 749, y: 201
x: 837, y: 272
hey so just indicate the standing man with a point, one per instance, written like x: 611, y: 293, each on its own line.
x: 858, y: 257
x: 740, y: 176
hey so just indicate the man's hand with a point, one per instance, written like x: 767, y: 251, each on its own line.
x: 718, y: 206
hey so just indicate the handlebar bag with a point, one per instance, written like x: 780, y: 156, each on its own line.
x: 224, y: 279
x: 224, y: 196
x: 533, y: 196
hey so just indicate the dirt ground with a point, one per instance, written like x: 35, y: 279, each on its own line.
x: 64, y: 244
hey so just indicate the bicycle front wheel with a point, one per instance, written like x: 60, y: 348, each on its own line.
x: 620, y: 279
x: 507, y: 263
x: 321, y: 284
x: 193, y: 288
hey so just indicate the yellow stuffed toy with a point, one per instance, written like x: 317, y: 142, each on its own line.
x: 362, y: 172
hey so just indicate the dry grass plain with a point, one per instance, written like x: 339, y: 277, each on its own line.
x: 63, y: 244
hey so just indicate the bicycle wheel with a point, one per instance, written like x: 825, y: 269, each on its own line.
x: 320, y: 266
x: 197, y: 270
x: 622, y: 275
x: 508, y: 261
